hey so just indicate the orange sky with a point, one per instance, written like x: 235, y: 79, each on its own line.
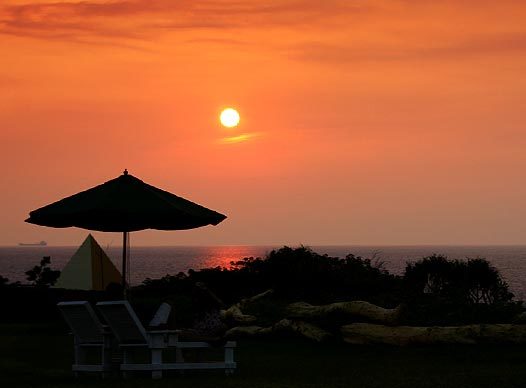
x: 362, y: 122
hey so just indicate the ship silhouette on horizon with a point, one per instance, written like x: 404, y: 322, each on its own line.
x: 37, y: 244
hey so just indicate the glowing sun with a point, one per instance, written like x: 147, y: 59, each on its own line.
x: 229, y: 117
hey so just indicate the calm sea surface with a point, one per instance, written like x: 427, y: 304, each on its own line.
x: 155, y: 262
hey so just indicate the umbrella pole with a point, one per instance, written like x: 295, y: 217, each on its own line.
x: 124, y: 245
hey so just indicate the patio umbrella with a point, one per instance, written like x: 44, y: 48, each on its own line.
x: 125, y: 204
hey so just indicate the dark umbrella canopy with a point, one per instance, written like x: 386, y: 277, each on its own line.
x: 125, y: 204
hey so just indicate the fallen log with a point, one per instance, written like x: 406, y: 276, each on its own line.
x: 366, y: 333
x: 235, y: 314
x: 247, y: 331
x: 304, y: 329
x: 255, y: 298
x: 302, y: 310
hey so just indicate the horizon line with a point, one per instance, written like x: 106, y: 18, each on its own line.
x: 279, y: 245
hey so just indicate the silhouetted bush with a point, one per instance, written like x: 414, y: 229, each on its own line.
x: 43, y: 275
x: 436, y: 291
x: 190, y: 300
x: 24, y: 303
x: 294, y: 273
x: 300, y: 273
x: 3, y: 281
x: 443, y: 291
x: 473, y: 281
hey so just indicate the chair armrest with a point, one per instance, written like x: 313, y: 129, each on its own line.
x: 190, y: 345
x: 161, y: 316
x: 163, y: 332
x: 162, y: 338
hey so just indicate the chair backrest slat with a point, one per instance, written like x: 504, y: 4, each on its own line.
x: 123, y: 322
x: 161, y: 315
x: 82, y: 320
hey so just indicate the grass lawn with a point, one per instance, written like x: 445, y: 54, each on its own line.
x: 40, y: 356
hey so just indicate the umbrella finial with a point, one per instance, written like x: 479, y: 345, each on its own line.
x: 125, y: 171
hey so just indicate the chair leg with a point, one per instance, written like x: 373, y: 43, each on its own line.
x: 126, y: 359
x: 106, y: 361
x: 80, y: 355
x: 157, y: 359
x: 229, y: 359
x: 179, y: 355
x: 179, y: 358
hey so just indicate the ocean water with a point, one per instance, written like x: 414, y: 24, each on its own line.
x: 155, y: 262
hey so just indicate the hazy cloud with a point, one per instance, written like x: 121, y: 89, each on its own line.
x: 239, y: 138
x: 145, y: 19
x: 332, y: 31
x: 342, y: 53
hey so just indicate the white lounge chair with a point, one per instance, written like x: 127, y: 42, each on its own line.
x: 88, y: 332
x: 131, y: 335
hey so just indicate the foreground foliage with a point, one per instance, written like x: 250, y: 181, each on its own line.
x: 443, y: 291
x: 431, y: 291
x: 42, y: 274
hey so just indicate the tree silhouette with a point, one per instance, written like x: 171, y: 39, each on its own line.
x: 473, y: 281
x: 43, y: 275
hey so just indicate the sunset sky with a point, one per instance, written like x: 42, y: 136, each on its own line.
x: 362, y: 122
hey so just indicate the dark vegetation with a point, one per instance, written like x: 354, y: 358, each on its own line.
x: 43, y: 275
x: 34, y: 350
x: 433, y: 290
x: 441, y: 291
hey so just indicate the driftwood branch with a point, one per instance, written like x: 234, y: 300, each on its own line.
x: 255, y: 298
x: 234, y: 313
x: 304, y: 329
x: 300, y: 316
x: 366, y: 333
x: 247, y: 331
x: 371, y: 312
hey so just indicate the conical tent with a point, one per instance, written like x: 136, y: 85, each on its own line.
x: 88, y: 269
